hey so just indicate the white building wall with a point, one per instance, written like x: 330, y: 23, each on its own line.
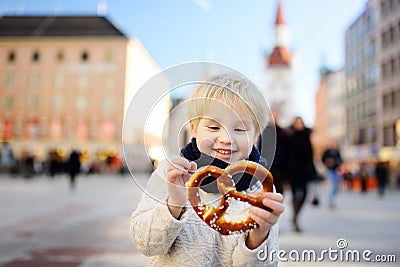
x: 336, y: 108
x: 279, y: 93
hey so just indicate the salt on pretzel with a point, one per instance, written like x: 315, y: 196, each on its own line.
x: 214, y: 216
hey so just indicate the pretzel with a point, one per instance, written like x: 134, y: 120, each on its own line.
x: 214, y: 216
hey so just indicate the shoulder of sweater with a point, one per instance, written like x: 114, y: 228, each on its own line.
x: 157, y: 178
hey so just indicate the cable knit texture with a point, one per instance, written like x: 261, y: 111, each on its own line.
x: 189, y: 241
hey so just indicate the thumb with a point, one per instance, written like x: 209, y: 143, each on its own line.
x: 193, y: 166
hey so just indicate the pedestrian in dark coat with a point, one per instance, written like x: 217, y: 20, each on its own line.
x: 332, y: 161
x: 300, y: 166
x: 382, y: 175
x: 273, y: 147
x: 73, y: 167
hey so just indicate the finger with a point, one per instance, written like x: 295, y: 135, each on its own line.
x: 174, y: 175
x: 262, y: 217
x: 186, y: 177
x: 180, y: 163
x: 193, y: 167
x: 176, y: 168
x: 276, y: 206
x: 274, y: 196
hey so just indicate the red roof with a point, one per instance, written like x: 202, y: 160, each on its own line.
x: 280, y: 56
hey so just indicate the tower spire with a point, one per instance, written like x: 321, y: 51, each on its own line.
x: 280, y: 56
x: 279, y: 17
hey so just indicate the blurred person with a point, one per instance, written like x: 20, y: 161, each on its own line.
x: 332, y: 160
x: 300, y: 165
x: 315, y: 185
x: 278, y: 160
x: 364, y: 175
x: 7, y: 161
x: 73, y: 167
x: 382, y: 176
x: 347, y: 175
x: 26, y: 161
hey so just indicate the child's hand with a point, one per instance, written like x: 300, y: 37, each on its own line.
x: 178, y: 173
x: 264, y: 218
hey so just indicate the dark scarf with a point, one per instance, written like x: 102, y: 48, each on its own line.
x: 242, y: 181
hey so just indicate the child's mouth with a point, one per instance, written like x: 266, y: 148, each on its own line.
x: 224, y: 153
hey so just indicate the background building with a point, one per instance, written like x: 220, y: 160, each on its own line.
x: 66, y: 83
x: 330, y: 117
x: 389, y: 87
x: 373, y: 83
x: 279, y: 74
x: 362, y: 82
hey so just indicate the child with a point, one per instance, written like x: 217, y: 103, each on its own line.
x: 227, y: 114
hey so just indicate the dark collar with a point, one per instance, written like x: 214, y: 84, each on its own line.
x: 242, y: 181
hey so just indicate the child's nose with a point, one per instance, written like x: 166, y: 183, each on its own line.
x: 225, y: 137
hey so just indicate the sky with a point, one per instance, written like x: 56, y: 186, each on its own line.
x: 236, y: 33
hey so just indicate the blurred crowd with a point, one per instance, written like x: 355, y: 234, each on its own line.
x: 295, y: 168
x: 28, y: 165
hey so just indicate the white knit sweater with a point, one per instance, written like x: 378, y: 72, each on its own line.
x: 189, y: 241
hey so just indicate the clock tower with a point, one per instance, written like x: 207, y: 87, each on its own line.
x: 279, y: 72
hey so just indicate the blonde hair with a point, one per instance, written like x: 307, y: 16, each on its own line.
x: 237, y: 92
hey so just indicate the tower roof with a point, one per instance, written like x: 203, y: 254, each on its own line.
x: 279, y: 17
x: 280, y: 56
x: 39, y: 26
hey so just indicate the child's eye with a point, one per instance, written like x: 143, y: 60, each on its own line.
x: 213, y: 128
x: 240, y: 130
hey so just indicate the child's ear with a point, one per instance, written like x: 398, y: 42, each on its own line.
x: 256, y: 137
x: 193, y: 129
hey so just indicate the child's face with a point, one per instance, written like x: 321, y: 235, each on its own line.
x: 225, y: 134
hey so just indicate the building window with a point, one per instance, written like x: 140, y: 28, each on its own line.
x: 33, y: 103
x: 35, y: 56
x: 384, y: 41
x: 387, y: 102
x: 11, y: 57
x: 107, y: 130
x: 361, y: 136
x: 389, y: 135
x: 391, y: 35
x: 371, y: 134
x: 393, y: 66
x: 6, y: 131
x: 386, y: 7
x: 81, y: 103
x: 34, y: 79
x: 108, y: 105
x: 82, y: 131
x: 398, y: 27
x: 83, y: 81
x: 109, y: 80
x: 59, y: 80
x: 8, y: 103
x: 56, y: 129
x: 60, y: 57
x: 109, y: 57
x: 31, y: 128
x: 85, y: 56
x: 9, y: 80
x: 57, y: 103
x: 397, y: 99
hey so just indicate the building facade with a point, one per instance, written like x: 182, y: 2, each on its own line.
x: 372, y: 82
x: 362, y: 83
x: 389, y: 87
x: 330, y: 117
x: 64, y: 83
x: 279, y: 73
